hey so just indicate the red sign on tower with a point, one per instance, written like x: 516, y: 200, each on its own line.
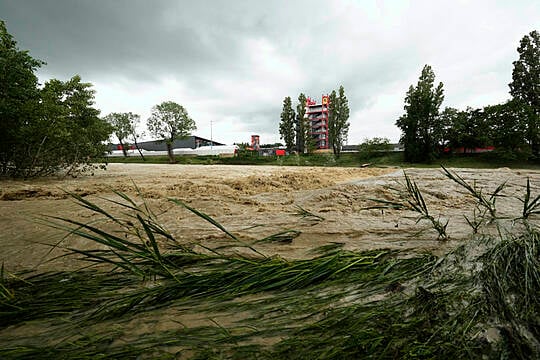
x: 325, y: 100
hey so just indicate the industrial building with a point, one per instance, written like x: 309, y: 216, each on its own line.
x: 317, y: 115
x: 191, y: 145
x: 191, y: 142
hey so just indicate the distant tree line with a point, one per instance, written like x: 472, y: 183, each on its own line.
x: 513, y: 127
x: 169, y: 121
x: 295, y: 127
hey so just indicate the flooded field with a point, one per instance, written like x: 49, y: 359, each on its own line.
x: 308, y: 263
x: 252, y: 202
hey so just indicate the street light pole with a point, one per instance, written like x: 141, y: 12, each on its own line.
x: 211, y: 136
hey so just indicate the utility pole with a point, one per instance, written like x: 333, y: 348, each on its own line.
x: 211, y: 136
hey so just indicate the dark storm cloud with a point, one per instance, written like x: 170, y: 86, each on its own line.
x: 127, y: 38
x: 232, y: 62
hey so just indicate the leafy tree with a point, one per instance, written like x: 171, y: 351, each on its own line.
x: 374, y: 147
x: 338, y: 120
x: 420, y: 121
x: 525, y: 85
x: 286, y: 126
x: 43, y: 131
x: 470, y: 130
x: 124, y: 127
x: 245, y: 151
x: 63, y: 133
x: 134, y: 134
x: 19, y: 96
x: 269, y: 146
x: 302, y: 125
x: 170, y: 121
x: 69, y: 133
x: 444, y: 132
x: 304, y: 141
x: 508, y: 124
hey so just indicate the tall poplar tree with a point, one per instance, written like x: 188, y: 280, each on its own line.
x: 525, y: 85
x: 420, y: 122
x: 302, y: 125
x: 338, y: 120
x: 286, y: 126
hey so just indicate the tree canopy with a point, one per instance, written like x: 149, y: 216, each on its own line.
x: 19, y: 96
x: 303, y: 136
x: 44, y: 130
x: 338, y: 120
x: 124, y: 127
x: 286, y: 125
x: 121, y: 127
x: 170, y: 121
x: 525, y: 85
x: 420, y: 122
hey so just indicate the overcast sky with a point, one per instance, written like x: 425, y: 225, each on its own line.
x: 232, y: 62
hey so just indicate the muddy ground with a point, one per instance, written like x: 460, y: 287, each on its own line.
x: 252, y: 202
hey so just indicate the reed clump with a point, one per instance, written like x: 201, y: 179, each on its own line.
x: 411, y: 198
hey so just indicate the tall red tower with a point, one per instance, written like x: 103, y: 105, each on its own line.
x: 317, y: 115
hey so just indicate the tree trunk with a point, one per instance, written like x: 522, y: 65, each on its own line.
x: 535, y: 149
x: 138, y: 149
x: 170, y: 153
x: 335, y: 149
x: 123, y: 148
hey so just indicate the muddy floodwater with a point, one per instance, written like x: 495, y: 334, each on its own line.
x: 252, y: 202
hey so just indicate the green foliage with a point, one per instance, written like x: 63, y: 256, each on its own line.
x: 420, y: 123
x: 510, y: 281
x: 19, y: 96
x: 305, y: 214
x: 124, y: 127
x: 274, y: 145
x: 338, y: 120
x: 375, y: 147
x: 503, y: 126
x: 530, y: 206
x: 304, y: 142
x: 286, y: 125
x: 524, y: 86
x: 508, y: 125
x: 486, y: 201
x: 512, y: 127
x: 244, y: 151
x: 468, y: 129
x: 412, y: 199
x: 170, y: 121
x: 66, y: 134
x: 43, y: 131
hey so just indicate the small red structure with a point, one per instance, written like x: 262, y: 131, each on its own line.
x: 280, y: 152
x: 464, y: 150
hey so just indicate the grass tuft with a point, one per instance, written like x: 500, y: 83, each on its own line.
x: 485, y: 200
